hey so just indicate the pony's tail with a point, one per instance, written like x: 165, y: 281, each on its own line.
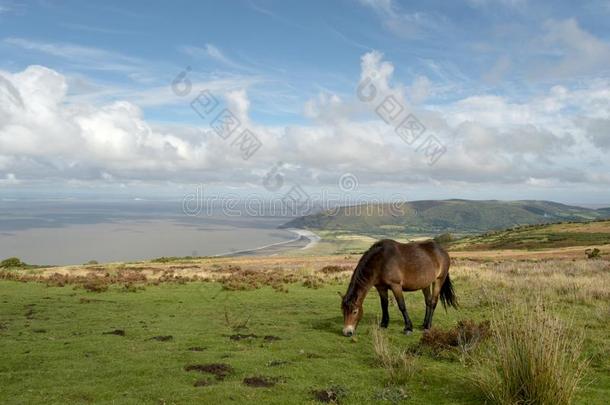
x: 448, y: 297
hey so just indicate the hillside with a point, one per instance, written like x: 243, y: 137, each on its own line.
x: 539, y: 237
x: 434, y: 217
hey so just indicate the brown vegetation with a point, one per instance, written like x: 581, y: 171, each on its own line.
x: 466, y: 334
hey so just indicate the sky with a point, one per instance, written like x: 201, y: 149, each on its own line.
x: 481, y: 99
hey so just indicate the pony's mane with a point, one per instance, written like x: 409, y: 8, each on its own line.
x: 360, y: 277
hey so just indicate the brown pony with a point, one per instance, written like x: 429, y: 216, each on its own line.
x: 390, y: 265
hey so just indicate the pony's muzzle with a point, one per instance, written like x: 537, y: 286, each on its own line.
x: 348, y: 331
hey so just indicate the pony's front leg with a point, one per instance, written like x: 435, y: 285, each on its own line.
x: 400, y: 300
x: 385, y: 315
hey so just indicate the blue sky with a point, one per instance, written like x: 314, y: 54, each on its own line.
x: 476, y: 71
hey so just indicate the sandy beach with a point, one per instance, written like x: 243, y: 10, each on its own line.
x: 304, y: 240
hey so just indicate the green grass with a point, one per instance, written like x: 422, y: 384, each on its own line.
x: 54, y: 350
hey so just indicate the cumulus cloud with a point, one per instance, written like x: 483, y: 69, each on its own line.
x: 598, y: 131
x: 559, y: 136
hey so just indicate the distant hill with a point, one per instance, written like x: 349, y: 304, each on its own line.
x: 433, y: 217
x: 533, y: 237
x: 604, y: 211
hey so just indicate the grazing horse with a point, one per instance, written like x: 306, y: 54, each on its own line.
x: 390, y: 265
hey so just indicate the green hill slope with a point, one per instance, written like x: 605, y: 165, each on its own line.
x: 434, y: 217
x: 539, y: 237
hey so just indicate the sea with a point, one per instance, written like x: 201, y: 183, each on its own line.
x: 65, y: 232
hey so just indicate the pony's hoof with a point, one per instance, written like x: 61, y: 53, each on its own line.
x: 408, y: 332
x: 383, y: 325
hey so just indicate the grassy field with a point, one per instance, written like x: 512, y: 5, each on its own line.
x: 269, y: 328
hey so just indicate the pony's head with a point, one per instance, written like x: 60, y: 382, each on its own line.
x: 352, y: 313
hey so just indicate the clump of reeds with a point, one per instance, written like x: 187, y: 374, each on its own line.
x: 534, y: 358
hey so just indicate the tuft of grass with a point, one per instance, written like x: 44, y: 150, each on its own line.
x: 392, y: 395
x: 400, y: 365
x: 535, y: 358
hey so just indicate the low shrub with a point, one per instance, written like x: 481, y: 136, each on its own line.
x: 12, y: 262
x: 334, y: 269
x: 594, y: 253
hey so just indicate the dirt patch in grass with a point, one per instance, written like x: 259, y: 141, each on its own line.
x: 329, y: 395
x: 220, y: 370
x: 196, y: 349
x: 466, y: 333
x: 202, y: 383
x: 271, y: 338
x: 117, y: 332
x: 259, y: 382
x: 162, y: 338
x: 39, y: 330
x: 239, y: 336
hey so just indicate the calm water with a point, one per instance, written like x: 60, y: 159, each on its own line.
x: 71, y: 232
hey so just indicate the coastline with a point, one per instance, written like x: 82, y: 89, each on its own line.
x: 305, y: 240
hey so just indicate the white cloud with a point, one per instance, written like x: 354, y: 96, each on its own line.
x: 556, y: 137
x: 9, y: 180
x: 214, y: 53
x: 403, y: 24
x: 90, y: 58
x: 239, y: 104
x: 494, y: 3
x: 420, y: 90
x: 572, y: 51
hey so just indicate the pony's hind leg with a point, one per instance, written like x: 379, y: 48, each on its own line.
x: 434, y: 293
x: 385, y: 315
x: 400, y: 300
x: 428, y: 299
